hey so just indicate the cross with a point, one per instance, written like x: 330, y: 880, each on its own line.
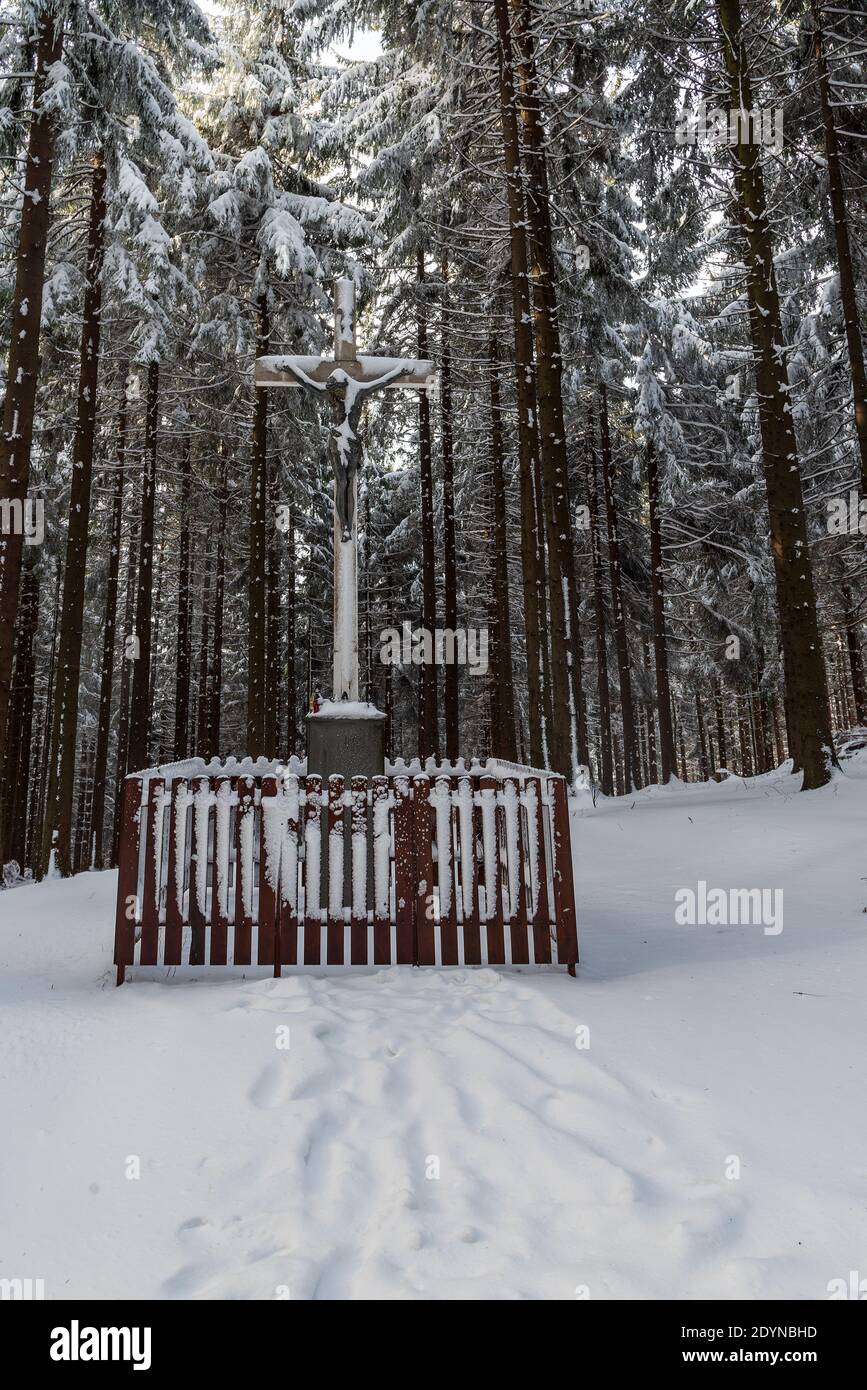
x: 347, y: 380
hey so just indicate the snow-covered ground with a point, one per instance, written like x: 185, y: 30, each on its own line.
x: 563, y: 1171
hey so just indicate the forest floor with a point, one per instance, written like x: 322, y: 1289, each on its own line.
x: 605, y: 1171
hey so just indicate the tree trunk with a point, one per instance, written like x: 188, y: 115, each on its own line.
x: 127, y: 668
x: 22, y: 370
x: 257, y: 621
x: 184, y: 613
x: 848, y: 292
x: 605, y: 745
x: 428, y: 725
x: 17, y: 778
x: 202, y: 747
x: 106, y: 680
x: 291, y: 626
x: 450, y: 564
x: 549, y: 370
x: 140, y: 705
x: 272, y: 675
x: 856, y: 658
x: 660, y: 639
x: 62, y: 762
x: 215, y: 688
x: 809, y: 715
x: 502, y: 680
x: 627, y: 712
x: 532, y: 557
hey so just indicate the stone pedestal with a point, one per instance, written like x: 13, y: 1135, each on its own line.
x: 352, y: 745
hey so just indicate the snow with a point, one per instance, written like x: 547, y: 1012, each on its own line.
x: 561, y: 1165
x: 348, y: 709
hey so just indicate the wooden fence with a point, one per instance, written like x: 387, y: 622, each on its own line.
x: 468, y: 868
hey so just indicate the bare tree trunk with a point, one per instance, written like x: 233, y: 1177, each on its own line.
x: 428, y: 723
x: 848, y: 292
x: 549, y: 370
x: 17, y: 776
x: 106, y: 680
x: 806, y: 685
x: 140, y: 705
x: 274, y: 666
x: 606, y: 777
x: 529, y: 474
x: 184, y: 612
x: 660, y: 639
x: 126, y: 674
x: 215, y: 689
x: 627, y: 712
x: 450, y: 563
x: 62, y: 763
x: 856, y: 659
x: 202, y: 746
x: 22, y: 369
x: 502, y: 681
x: 257, y: 630
x: 291, y: 627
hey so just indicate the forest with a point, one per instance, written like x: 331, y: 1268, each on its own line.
x: 630, y: 236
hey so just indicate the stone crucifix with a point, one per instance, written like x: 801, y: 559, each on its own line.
x: 347, y: 380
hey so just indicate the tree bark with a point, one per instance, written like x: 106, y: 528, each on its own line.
x: 183, y: 669
x: 856, y: 658
x: 215, y: 686
x: 806, y: 684
x: 274, y: 666
x: 428, y: 724
x: 139, y: 721
x: 450, y: 563
x: 502, y: 681
x: 552, y: 433
x: 632, y: 773
x: 606, y: 771
x: 22, y: 370
x: 17, y: 778
x: 62, y: 762
x: 848, y: 292
x: 660, y: 638
x: 291, y: 628
x: 257, y: 599
x: 532, y: 556
x: 109, y: 630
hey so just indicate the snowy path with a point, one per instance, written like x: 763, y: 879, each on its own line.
x: 308, y: 1170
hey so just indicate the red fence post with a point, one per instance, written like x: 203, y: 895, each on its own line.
x: 245, y: 831
x: 381, y: 843
x: 336, y: 864
x: 270, y: 844
x: 153, y: 867
x: 469, y: 871
x: 491, y: 861
x: 288, y: 940
x: 127, y: 876
x: 424, y: 892
x: 520, y: 946
x: 564, y: 886
x: 358, y: 849
x: 537, y: 878
x: 176, y: 873
x: 404, y: 873
x: 199, y: 868
x: 312, y: 870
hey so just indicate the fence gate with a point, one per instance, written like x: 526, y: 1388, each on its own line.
x: 271, y: 868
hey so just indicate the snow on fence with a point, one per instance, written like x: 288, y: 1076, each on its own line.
x: 226, y: 867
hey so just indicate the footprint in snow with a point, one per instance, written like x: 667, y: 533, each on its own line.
x: 270, y: 1088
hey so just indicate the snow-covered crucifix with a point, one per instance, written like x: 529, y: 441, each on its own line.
x: 347, y: 380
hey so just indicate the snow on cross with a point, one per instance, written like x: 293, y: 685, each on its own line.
x: 347, y: 380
